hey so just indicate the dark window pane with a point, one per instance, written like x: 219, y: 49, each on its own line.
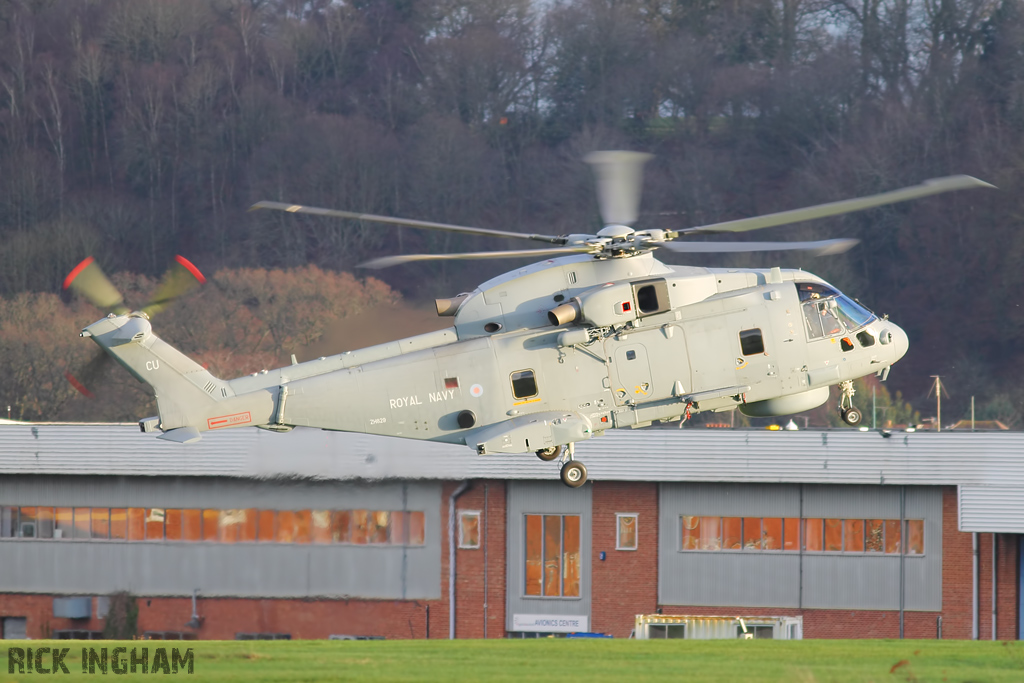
x: 524, y: 384
x: 751, y: 342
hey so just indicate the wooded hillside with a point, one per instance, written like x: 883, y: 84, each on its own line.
x: 136, y: 129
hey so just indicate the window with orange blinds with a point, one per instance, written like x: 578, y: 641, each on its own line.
x: 787, y: 534
x: 553, y: 560
x: 320, y: 527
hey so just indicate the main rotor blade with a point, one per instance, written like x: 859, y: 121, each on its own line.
x: 88, y: 280
x: 388, y: 261
x: 181, y: 277
x: 928, y: 187
x: 819, y: 248
x: 408, y: 222
x: 620, y: 178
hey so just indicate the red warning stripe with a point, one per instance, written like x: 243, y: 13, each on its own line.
x: 190, y: 268
x: 78, y: 271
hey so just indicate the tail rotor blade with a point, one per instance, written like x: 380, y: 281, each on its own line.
x: 88, y: 374
x: 179, y: 279
x: 88, y: 280
x: 619, y: 177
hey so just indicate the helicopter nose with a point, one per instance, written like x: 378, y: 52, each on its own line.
x: 900, y: 342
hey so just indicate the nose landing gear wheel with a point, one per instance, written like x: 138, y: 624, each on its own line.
x: 851, y: 416
x: 549, y: 454
x: 574, y: 474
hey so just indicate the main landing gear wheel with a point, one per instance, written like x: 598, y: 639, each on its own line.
x: 549, y: 454
x: 851, y: 416
x: 574, y: 474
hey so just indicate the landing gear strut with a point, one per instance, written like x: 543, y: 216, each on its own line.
x: 573, y: 473
x: 850, y: 414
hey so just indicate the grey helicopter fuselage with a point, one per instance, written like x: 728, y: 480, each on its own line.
x: 638, y: 341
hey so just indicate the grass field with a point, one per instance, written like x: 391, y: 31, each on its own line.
x: 809, y: 661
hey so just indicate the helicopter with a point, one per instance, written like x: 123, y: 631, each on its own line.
x: 598, y: 335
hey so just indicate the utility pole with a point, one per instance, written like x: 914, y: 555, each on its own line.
x: 937, y: 386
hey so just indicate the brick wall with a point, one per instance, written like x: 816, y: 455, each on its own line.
x: 469, y: 563
x: 626, y: 582
x: 623, y: 585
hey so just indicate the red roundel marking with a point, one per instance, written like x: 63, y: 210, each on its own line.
x: 190, y: 268
x: 77, y: 271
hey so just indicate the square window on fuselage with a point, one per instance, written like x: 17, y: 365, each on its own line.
x: 751, y: 341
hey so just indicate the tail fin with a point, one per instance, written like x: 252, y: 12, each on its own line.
x: 187, y: 394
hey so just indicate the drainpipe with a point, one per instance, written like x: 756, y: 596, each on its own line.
x: 974, y: 587
x: 995, y: 558
x: 463, y: 487
x: 486, y: 510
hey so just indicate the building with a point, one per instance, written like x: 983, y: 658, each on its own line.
x: 311, y: 534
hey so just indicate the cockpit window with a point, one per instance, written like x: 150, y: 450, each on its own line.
x: 814, y: 290
x: 852, y: 313
x: 828, y: 313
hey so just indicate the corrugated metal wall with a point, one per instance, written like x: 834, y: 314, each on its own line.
x: 996, y: 509
x: 545, y: 498
x: 842, y: 456
x: 789, y: 579
x: 241, y: 569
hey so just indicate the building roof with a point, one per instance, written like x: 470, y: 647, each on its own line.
x: 843, y: 456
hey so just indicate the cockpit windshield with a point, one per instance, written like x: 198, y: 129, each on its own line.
x: 827, y: 313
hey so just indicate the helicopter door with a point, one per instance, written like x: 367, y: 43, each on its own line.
x: 631, y: 374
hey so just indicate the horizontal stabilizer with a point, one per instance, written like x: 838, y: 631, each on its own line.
x: 181, y: 435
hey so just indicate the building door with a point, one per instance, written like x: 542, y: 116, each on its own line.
x: 15, y: 628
